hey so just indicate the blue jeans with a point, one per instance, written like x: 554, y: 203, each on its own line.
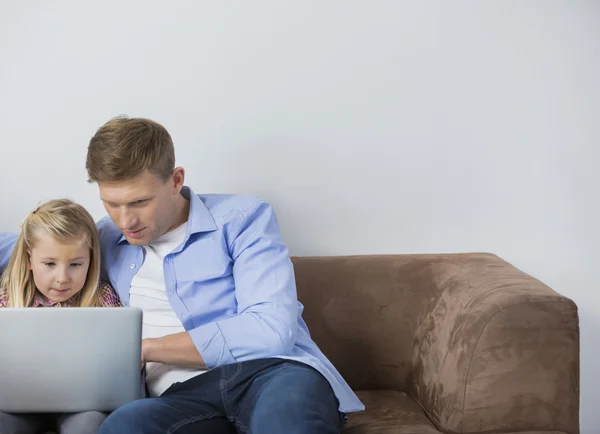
x: 263, y: 396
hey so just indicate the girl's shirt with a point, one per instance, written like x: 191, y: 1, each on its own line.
x: 107, y: 298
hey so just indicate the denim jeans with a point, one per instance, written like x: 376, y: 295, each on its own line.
x: 263, y: 396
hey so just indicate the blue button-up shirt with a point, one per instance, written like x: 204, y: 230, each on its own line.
x: 230, y: 282
x: 7, y: 242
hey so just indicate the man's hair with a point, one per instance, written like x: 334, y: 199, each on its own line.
x: 123, y: 148
x: 65, y: 221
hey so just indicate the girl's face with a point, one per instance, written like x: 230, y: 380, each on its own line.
x: 59, y: 268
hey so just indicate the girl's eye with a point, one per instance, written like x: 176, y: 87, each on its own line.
x: 49, y: 264
x: 76, y: 265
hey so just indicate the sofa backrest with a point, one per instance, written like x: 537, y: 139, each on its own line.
x: 362, y: 311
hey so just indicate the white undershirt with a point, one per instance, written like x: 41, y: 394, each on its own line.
x: 148, y: 292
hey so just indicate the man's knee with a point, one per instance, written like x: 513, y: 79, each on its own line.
x: 296, y: 399
x: 298, y: 382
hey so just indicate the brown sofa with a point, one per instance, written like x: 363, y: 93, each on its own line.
x: 462, y: 343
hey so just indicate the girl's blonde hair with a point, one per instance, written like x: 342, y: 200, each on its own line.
x: 65, y: 221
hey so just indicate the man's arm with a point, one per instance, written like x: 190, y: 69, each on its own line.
x: 7, y: 242
x: 267, y: 316
x: 176, y: 349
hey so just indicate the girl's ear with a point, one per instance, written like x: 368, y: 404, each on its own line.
x: 29, y: 260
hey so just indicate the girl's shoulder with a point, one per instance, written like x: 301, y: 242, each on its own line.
x: 3, y: 297
x: 107, y: 297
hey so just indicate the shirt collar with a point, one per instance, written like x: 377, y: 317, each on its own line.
x: 199, y: 218
x: 40, y: 300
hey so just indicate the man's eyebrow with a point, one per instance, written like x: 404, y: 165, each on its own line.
x: 140, y: 199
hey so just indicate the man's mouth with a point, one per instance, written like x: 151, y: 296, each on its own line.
x: 135, y: 234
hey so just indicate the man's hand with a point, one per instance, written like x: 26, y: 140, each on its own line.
x: 176, y: 349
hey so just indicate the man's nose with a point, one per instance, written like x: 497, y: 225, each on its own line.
x: 126, y: 220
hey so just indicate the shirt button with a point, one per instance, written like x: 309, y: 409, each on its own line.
x: 132, y: 266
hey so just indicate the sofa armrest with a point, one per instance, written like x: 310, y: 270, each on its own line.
x: 496, y: 351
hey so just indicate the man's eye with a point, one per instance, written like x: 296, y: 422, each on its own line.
x: 140, y: 202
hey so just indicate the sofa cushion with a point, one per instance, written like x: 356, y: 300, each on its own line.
x: 389, y: 412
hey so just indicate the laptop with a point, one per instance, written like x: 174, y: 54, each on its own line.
x: 69, y: 359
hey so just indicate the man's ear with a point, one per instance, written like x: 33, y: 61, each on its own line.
x: 178, y: 179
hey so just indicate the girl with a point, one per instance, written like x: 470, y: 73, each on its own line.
x: 55, y: 263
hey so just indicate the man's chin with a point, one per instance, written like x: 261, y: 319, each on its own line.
x: 137, y: 241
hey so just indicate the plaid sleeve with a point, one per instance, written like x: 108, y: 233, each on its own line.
x: 108, y: 297
x: 3, y: 298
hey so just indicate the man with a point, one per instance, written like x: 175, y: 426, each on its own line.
x: 225, y: 346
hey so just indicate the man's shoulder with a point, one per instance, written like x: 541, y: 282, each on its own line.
x: 108, y: 231
x: 232, y: 206
x: 8, y: 237
x: 225, y: 203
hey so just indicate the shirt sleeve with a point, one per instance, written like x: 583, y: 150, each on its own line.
x: 265, y: 288
x: 7, y: 242
x: 108, y: 297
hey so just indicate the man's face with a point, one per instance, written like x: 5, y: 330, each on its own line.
x: 144, y: 207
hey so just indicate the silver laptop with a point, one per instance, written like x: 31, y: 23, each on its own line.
x: 69, y: 359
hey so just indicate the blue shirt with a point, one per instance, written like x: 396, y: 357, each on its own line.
x: 7, y: 241
x: 231, y: 283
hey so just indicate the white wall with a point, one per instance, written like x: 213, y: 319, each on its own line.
x: 373, y: 127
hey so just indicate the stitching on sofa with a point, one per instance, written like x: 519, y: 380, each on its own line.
x: 429, y: 415
x: 434, y: 421
x: 500, y: 309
